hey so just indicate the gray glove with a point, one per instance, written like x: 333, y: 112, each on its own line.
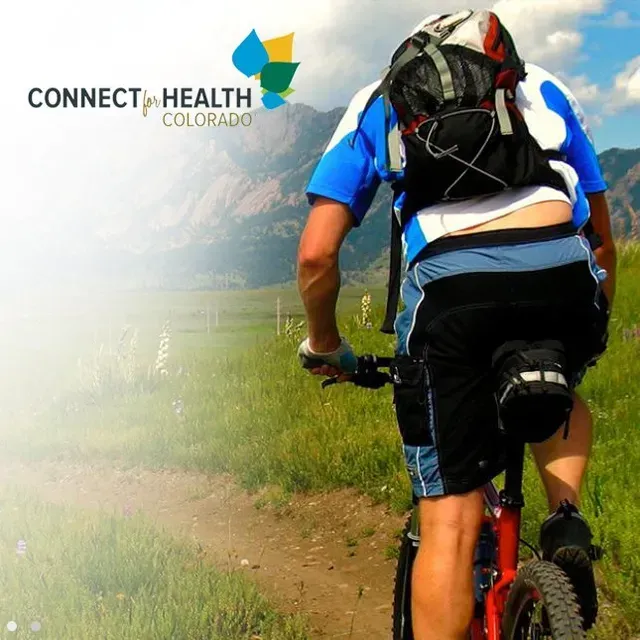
x: 342, y: 358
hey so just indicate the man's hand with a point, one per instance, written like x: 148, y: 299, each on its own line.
x: 340, y: 361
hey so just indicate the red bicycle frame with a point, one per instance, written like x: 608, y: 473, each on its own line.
x: 504, y: 512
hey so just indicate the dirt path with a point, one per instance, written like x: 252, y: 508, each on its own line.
x: 323, y: 555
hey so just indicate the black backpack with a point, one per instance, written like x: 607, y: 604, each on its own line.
x: 453, y: 85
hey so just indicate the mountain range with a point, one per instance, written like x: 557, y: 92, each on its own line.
x: 225, y: 207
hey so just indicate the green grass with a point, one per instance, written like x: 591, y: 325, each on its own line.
x: 90, y: 576
x: 248, y: 409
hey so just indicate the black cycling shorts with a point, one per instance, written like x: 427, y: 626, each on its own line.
x: 467, y: 296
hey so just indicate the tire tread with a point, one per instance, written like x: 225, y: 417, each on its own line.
x: 555, y: 592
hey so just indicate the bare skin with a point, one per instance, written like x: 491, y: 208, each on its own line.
x: 606, y: 254
x: 449, y: 525
x: 562, y: 463
x: 442, y: 581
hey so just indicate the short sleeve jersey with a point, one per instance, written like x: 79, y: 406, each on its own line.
x: 352, y: 174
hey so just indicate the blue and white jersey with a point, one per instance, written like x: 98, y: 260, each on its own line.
x: 352, y: 175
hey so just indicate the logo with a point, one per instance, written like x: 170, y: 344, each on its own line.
x: 271, y: 63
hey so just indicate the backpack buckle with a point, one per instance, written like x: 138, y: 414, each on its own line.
x: 420, y: 40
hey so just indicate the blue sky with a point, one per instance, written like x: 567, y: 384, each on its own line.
x: 593, y: 45
x: 610, y: 41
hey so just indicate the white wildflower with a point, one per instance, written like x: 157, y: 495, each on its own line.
x: 365, y: 310
x: 163, y: 350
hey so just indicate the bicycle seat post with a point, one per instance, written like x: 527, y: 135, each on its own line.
x: 508, y: 530
x: 511, y: 495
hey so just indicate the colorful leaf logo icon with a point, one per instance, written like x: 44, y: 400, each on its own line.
x: 271, y: 63
x: 272, y: 100
x: 250, y: 55
x: 279, y: 49
x: 277, y: 76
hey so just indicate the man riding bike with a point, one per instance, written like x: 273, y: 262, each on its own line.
x: 481, y: 271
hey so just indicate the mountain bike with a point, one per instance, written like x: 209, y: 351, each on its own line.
x: 530, y: 602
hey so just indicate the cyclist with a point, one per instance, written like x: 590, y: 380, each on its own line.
x: 482, y: 271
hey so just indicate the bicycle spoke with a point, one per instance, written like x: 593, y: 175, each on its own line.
x: 537, y: 626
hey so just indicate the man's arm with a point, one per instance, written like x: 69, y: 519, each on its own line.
x: 581, y: 155
x: 340, y: 192
x: 606, y: 254
x: 318, y: 271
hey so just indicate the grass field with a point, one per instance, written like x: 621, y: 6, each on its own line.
x: 66, y: 574
x: 68, y: 362
x: 234, y: 399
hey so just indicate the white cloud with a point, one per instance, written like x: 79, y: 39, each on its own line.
x: 56, y: 160
x: 546, y: 31
x: 618, y: 19
x: 626, y: 87
x: 360, y: 43
x: 621, y: 19
x: 595, y: 120
x: 560, y: 44
x: 163, y: 42
x: 628, y: 81
x: 585, y: 91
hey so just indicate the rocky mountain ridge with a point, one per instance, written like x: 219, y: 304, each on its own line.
x: 225, y: 207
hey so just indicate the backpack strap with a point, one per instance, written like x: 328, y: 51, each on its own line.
x: 419, y: 43
x: 593, y: 238
x: 506, y: 128
x: 416, y: 45
x: 395, y: 266
x: 443, y: 69
x: 424, y: 42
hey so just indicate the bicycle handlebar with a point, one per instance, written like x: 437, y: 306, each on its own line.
x: 367, y: 373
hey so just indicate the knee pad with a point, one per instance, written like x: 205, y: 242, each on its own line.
x: 532, y: 389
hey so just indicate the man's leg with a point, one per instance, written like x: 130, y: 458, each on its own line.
x: 562, y: 463
x: 565, y: 536
x: 442, y: 582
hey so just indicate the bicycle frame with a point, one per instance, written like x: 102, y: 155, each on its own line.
x: 504, y: 509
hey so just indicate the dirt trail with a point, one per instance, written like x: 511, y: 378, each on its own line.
x: 315, y: 555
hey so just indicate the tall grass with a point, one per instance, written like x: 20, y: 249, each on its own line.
x: 88, y: 576
x: 258, y: 415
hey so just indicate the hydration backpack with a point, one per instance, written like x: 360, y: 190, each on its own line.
x: 453, y: 85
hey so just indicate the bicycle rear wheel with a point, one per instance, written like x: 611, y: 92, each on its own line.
x: 542, y: 605
x: 402, y: 589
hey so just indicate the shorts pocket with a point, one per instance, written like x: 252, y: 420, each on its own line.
x: 410, y: 400
x: 601, y: 327
x: 592, y: 342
